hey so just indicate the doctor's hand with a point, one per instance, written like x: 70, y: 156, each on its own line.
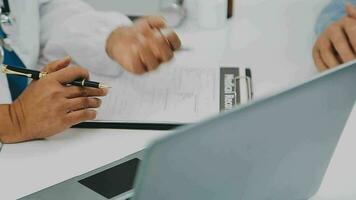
x: 48, y: 106
x: 337, y: 45
x: 142, y: 47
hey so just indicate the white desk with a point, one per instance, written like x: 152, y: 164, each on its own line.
x: 273, y: 37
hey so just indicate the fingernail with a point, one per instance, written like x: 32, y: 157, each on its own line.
x: 105, y: 91
x: 99, y: 102
x: 166, y: 31
x: 67, y: 58
x: 164, y: 20
x: 92, y: 114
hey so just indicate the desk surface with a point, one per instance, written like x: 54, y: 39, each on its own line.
x: 274, y: 38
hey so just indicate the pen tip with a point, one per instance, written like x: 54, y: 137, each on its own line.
x: 103, y: 86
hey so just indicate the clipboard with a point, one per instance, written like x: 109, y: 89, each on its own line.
x: 129, y: 126
x: 235, y: 87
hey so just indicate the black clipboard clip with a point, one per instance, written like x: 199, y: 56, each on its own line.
x: 234, y: 81
x: 249, y: 86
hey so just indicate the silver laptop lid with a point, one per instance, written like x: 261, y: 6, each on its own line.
x: 276, y: 148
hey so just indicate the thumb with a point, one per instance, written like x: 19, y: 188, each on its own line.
x: 57, y: 65
x: 350, y: 10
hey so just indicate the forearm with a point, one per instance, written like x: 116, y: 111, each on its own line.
x: 82, y: 34
x: 9, y: 131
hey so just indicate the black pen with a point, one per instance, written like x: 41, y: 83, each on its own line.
x: 36, y: 75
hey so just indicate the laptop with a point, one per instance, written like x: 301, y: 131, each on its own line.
x: 275, y: 148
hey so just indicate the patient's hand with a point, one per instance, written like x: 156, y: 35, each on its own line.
x: 142, y: 47
x: 337, y: 45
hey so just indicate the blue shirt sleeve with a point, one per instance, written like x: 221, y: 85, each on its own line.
x: 334, y: 11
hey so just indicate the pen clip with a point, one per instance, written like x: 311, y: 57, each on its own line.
x: 5, y: 70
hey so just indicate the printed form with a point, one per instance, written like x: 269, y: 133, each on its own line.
x: 171, y: 94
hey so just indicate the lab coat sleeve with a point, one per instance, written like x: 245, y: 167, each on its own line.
x: 334, y: 11
x: 72, y: 27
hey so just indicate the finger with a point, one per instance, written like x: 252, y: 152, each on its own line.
x: 143, y: 26
x: 172, y: 38
x: 350, y: 29
x: 160, y: 46
x: 147, y: 56
x: 79, y: 116
x: 327, y: 53
x: 341, y: 44
x: 350, y: 10
x: 321, y: 66
x: 74, y: 91
x: 148, y: 36
x: 83, y: 103
x: 57, y: 65
x: 70, y: 74
x: 137, y: 66
x: 156, y: 22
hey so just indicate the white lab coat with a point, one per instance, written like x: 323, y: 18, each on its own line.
x: 46, y: 30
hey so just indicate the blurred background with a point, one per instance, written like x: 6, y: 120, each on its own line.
x: 131, y: 7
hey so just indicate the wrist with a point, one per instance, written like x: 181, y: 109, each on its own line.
x: 10, y: 131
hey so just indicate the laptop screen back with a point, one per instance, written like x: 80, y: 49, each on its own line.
x: 277, y: 148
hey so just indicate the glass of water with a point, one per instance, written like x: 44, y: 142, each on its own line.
x: 173, y: 11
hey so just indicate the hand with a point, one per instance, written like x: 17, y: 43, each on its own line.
x: 142, y: 47
x: 48, y: 106
x: 337, y: 45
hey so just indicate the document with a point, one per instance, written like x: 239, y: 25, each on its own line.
x: 170, y: 95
